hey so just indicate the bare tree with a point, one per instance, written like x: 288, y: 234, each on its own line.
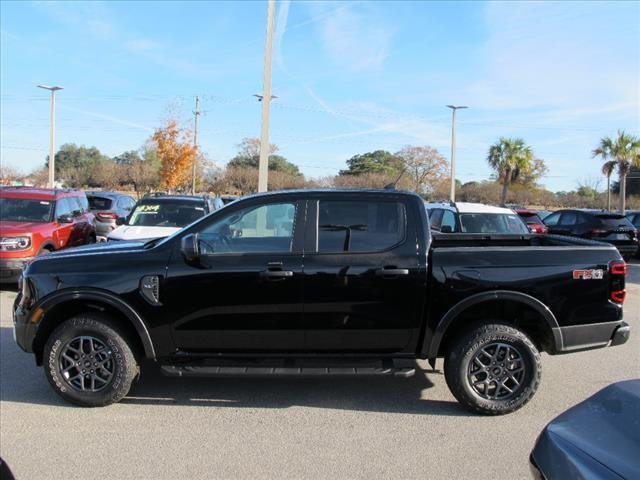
x: 425, y: 166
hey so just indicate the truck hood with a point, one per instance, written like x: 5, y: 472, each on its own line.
x: 132, y: 232
x: 95, y: 249
x: 10, y: 228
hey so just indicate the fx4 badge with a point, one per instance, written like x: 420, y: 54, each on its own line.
x: 596, y: 274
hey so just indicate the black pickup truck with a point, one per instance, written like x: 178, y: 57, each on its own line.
x: 315, y: 283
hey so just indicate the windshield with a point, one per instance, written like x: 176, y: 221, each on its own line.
x: 530, y: 217
x: 614, y: 221
x: 492, y: 223
x: 25, y: 210
x: 99, y: 203
x: 165, y: 214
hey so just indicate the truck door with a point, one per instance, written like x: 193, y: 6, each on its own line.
x: 364, y: 291
x: 244, y: 294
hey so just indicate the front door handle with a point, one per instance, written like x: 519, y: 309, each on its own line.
x: 276, y: 274
x: 392, y: 272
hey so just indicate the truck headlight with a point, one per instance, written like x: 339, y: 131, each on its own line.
x: 14, y: 243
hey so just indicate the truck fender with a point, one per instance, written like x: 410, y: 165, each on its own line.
x: 110, y: 299
x: 431, y: 343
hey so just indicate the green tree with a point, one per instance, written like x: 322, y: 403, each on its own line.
x: 127, y: 158
x: 76, y: 164
x: 248, y: 156
x: 510, y: 158
x: 625, y: 151
x: 379, y: 161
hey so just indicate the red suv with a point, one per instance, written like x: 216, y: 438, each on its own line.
x: 36, y: 221
x: 532, y: 219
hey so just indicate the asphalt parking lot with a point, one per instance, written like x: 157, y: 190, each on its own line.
x: 283, y: 428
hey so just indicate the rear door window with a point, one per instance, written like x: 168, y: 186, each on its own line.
x: 568, y: 218
x: 359, y: 226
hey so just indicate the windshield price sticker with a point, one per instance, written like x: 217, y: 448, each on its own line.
x: 595, y: 274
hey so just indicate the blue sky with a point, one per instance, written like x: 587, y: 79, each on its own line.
x: 351, y: 77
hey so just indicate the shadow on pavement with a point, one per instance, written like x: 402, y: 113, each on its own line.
x: 22, y: 381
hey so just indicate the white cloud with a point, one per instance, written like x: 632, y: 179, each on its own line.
x: 355, y: 40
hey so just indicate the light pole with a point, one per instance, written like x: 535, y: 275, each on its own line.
x: 263, y: 165
x: 52, y: 134
x: 453, y: 108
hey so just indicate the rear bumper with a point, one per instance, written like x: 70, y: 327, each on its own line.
x: 11, y: 268
x: 586, y: 337
x: 104, y: 228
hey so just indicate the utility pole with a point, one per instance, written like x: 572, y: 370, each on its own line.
x: 196, y: 113
x: 52, y: 135
x: 263, y: 165
x: 452, y: 195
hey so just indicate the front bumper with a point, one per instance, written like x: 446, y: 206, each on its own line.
x: 24, y: 330
x: 11, y: 268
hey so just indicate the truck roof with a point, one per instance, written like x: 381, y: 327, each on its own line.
x: 468, y: 207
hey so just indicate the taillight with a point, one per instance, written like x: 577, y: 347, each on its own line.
x: 618, y: 268
x: 617, y: 271
x: 106, y: 215
x: 618, y: 296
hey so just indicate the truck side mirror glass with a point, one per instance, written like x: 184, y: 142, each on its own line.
x: 121, y: 221
x: 189, y: 247
x: 65, y: 218
x: 446, y: 229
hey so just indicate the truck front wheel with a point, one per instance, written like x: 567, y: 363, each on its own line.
x: 89, y: 361
x: 494, y: 369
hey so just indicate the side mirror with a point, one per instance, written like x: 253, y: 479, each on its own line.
x: 446, y: 229
x: 65, y: 218
x: 121, y: 221
x: 189, y: 247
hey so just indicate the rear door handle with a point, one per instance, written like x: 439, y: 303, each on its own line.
x: 392, y: 272
x: 276, y: 274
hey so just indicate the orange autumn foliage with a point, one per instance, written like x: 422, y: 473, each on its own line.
x: 176, y: 154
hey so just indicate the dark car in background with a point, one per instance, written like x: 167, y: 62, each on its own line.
x: 596, y: 225
x: 160, y: 215
x: 596, y: 439
x: 532, y: 219
x: 108, y: 207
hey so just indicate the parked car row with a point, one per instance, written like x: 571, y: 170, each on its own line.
x: 37, y: 221
x: 616, y: 229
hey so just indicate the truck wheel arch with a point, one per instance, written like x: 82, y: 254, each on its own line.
x: 432, y: 343
x: 89, y: 299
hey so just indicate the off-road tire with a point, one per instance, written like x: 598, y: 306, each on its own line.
x: 462, y: 352
x: 125, y: 368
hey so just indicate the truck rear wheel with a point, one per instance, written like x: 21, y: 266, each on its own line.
x: 89, y: 361
x: 494, y: 369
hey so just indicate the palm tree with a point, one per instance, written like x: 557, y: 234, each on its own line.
x: 624, y: 150
x: 607, y: 169
x: 509, y: 157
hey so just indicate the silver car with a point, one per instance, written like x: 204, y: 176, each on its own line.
x: 108, y: 207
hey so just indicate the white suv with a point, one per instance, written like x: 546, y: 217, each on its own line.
x: 462, y: 217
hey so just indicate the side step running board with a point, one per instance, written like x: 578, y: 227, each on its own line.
x: 220, y: 371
